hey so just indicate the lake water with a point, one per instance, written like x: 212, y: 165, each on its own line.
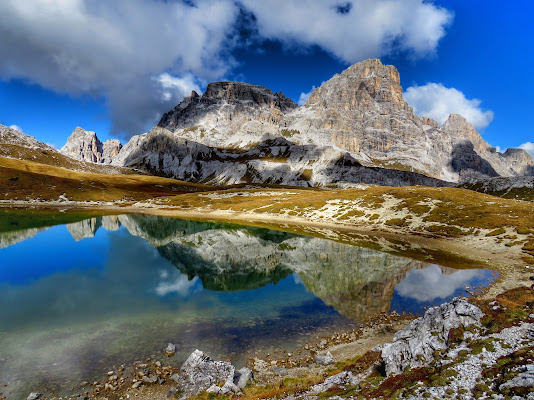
x: 78, y: 299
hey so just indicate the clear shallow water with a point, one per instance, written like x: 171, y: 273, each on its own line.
x: 77, y: 299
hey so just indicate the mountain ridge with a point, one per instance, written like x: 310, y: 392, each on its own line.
x: 359, y: 114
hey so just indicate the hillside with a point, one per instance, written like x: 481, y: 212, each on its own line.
x: 18, y: 145
x: 28, y: 180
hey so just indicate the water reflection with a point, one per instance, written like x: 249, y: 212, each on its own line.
x: 434, y: 285
x: 76, y: 300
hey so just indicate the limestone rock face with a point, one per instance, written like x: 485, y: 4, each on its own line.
x: 414, y: 346
x: 355, y: 128
x: 199, y: 373
x: 12, y: 137
x: 85, y: 146
x: 227, y: 108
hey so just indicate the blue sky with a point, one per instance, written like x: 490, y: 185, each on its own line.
x: 114, y: 67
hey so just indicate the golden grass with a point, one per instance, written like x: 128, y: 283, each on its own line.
x: 55, y: 158
x: 449, y: 206
x: 25, y: 180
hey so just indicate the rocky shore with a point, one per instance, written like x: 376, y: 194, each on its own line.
x: 461, y: 349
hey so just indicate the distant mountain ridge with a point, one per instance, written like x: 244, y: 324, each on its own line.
x: 355, y: 128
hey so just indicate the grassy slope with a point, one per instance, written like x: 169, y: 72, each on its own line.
x: 55, y: 158
x: 25, y: 180
x: 432, y: 212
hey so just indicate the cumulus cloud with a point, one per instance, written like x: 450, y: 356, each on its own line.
x: 303, y: 98
x: 529, y: 147
x: 143, y: 56
x: 353, y: 30
x: 16, y: 127
x: 180, y: 285
x: 437, y: 101
x: 431, y: 283
x: 174, y: 87
x: 117, y: 50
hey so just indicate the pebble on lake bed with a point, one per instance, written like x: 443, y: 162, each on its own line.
x: 170, y: 350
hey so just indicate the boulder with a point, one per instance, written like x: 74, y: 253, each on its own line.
x: 242, y: 377
x: 324, y: 359
x: 414, y: 346
x: 523, y: 379
x: 199, y: 373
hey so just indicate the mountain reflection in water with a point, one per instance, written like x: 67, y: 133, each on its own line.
x: 73, y: 308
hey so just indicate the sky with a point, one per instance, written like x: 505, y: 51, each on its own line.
x: 115, y: 67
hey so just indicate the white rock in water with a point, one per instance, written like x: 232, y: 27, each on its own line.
x: 170, y: 350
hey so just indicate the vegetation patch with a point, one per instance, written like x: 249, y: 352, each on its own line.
x: 497, y: 232
x: 287, y: 133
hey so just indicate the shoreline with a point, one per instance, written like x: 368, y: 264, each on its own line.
x: 458, y: 252
x: 461, y: 253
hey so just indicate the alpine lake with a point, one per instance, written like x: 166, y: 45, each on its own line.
x: 79, y: 299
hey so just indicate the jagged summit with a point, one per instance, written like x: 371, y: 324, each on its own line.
x: 84, y: 145
x: 233, y: 100
x: 237, y: 132
x: 364, y: 85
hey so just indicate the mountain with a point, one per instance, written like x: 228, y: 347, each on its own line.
x: 85, y: 146
x: 355, y: 128
x: 18, y: 145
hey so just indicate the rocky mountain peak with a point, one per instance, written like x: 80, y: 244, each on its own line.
x: 362, y: 86
x: 10, y: 136
x: 85, y: 146
x: 234, y: 92
x: 225, y: 107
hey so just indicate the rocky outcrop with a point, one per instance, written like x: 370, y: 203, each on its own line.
x: 521, y: 188
x: 84, y: 145
x: 199, y: 373
x: 13, y: 137
x: 223, y: 109
x: 273, y: 161
x: 414, y: 346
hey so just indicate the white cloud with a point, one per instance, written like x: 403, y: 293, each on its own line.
x: 143, y: 56
x: 176, y: 88
x: 437, y: 101
x: 16, y: 127
x: 305, y: 96
x: 115, y: 49
x: 431, y: 283
x: 529, y: 147
x: 180, y: 285
x: 353, y: 30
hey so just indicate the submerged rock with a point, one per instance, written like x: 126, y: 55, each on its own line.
x: 170, y: 350
x: 414, y: 346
